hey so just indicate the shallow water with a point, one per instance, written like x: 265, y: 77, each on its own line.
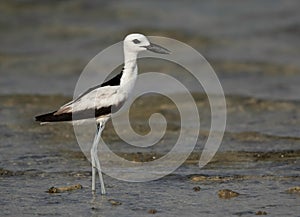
x: 253, y: 47
x: 260, y: 167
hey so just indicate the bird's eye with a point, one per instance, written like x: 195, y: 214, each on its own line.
x: 136, y: 41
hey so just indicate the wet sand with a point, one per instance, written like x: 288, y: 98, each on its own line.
x: 260, y: 167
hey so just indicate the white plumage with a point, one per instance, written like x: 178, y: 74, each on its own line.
x: 97, y: 102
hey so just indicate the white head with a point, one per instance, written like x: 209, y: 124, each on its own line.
x: 134, y: 43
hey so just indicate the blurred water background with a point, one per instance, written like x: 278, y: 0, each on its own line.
x: 254, y: 48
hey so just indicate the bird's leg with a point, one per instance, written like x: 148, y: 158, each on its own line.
x: 93, y: 169
x: 96, y: 162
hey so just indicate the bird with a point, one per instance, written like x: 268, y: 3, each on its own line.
x: 99, y: 102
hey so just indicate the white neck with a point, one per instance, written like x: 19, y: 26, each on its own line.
x: 130, y: 71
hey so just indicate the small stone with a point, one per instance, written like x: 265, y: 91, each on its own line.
x: 227, y: 194
x: 4, y: 172
x: 294, y: 190
x: 64, y: 189
x: 52, y: 190
x: 261, y: 212
x: 198, y: 178
x: 152, y: 211
x: 196, y: 188
x: 114, y: 202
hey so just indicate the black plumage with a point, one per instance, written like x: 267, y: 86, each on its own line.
x: 69, y: 116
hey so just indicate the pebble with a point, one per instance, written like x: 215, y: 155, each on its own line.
x: 196, y: 188
x: 294, y: 190
x: 198, y: 178
x: 227, y: 194
x: 114, y: 202
x: 152, y: 211
x: 261, y: 212
x: 4, y: 172
x: 63, y: 189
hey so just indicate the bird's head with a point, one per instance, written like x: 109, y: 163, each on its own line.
x: 138, y: 42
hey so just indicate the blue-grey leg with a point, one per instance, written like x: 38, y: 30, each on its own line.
x: 93, y: 171
x: 95, y: 159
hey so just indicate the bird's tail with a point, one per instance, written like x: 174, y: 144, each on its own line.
x: 69, y: 116
x: 51, y: 117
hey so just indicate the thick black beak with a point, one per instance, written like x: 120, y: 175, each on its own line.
x: 157, y: 49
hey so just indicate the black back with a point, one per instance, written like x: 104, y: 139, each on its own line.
x: 115, y: 81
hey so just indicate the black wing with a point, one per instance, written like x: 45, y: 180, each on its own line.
x: 115, y: 81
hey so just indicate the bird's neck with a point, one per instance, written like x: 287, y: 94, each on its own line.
x: 129, y: 72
